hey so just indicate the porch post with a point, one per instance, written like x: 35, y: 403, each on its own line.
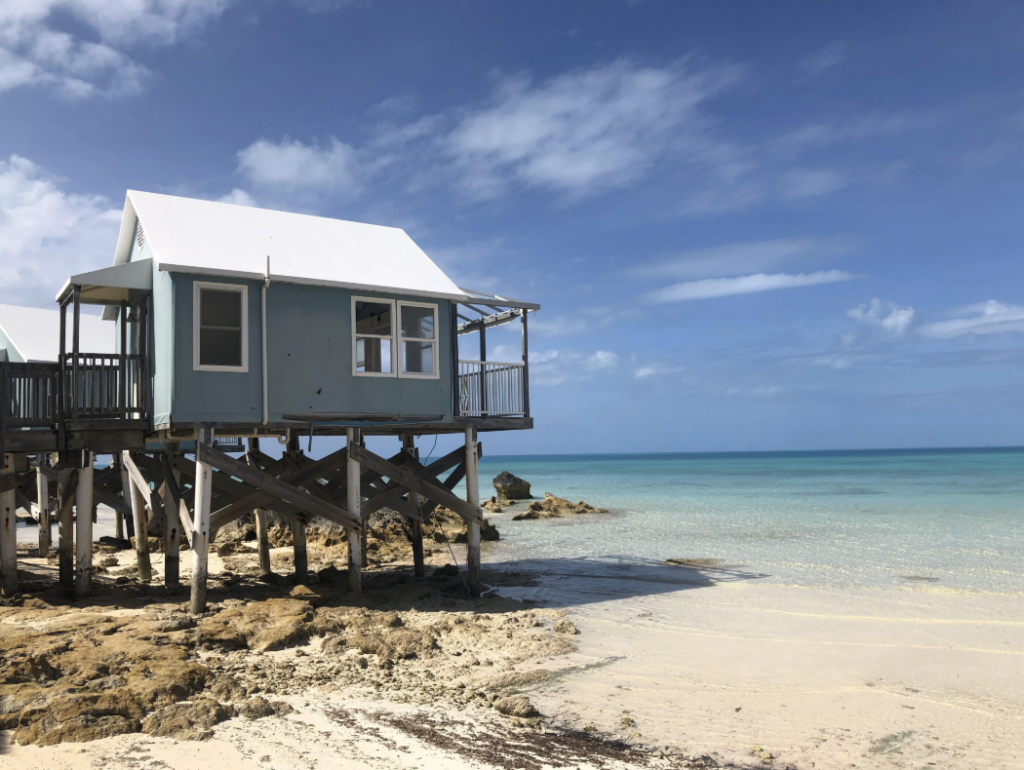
x: 43, y: 496
x: 472, y: 527
x: 262, y: 538
x: 83, y: 527
x: 415, y: 526
x: 355, y: 576
x: 172, y: 530
x: 8, y: 530
x: 141, y: 531
x: 201, y: 523
x: 65, y: 525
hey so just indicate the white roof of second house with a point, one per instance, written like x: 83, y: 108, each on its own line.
x: 36, y: 333
x: 195, y: 236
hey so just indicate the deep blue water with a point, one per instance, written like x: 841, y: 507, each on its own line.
x: 865, y: 518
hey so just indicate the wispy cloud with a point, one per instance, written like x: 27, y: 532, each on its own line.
x: 825, y: 58
x: 885, y: 315
x: 588, y: 130
x: 739, y: 258
x: 747, y: 284
x: 990, y: 317
x: 809, y: 183
x: 655, y: 370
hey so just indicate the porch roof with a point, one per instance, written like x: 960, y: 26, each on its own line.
x: 221, y: 239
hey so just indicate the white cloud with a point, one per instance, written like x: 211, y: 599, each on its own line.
x: 885, y: 315
x: 587, y: 130
x: 602, y: 359
x: 585, y: 320
x: 290, y: 165
x: 808, y: 183
x: 739, y: 258
x: 990, y: 317
x: 747, y: 284
x: 239, y: 197
x: 47, y: 234
x: 654, y: 370
x: 33, y: 52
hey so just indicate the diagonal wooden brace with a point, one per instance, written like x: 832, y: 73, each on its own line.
x: 152, y: 501
x: 174, y: 500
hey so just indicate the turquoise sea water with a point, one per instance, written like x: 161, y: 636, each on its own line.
x: 848, y: 518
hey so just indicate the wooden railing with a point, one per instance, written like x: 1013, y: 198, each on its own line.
x: 28, y: 394
x: 105, y: 386
x: 492, y: 389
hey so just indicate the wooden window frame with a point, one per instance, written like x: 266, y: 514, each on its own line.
x: 197, y: 287
x: 391, y: 337
x: 436, y: 374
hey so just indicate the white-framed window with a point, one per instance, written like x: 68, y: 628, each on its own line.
x: 418, y: 343
x: 220, y: 329
x: 373, y: 328
x: 394, y: 338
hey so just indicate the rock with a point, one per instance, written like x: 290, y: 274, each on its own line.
x: 187, y: 721
x: 552, y: 507
x: 448, y: 570
x: 273, y: 624
x: 492, y: 506
x: 120, y: 543
x: 565, y: 626
x: 511, y: 487
x: 258, y: 707
x: 515, y: 706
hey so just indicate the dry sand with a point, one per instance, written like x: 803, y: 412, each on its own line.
x: 693, y: 665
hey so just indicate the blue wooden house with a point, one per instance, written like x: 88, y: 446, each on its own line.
x: 231, y: 322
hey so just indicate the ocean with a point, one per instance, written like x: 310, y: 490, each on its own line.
x: 952, y: 518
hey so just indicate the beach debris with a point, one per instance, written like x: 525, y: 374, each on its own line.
x: 516, y: 706
x: 552, y: 507
x: 707, y: 563
x: 565, y: 626
x: 510, y: 487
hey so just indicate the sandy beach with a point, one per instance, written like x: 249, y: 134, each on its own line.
x: 689, y: 665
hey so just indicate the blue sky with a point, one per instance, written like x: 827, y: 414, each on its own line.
x: 751, y: 226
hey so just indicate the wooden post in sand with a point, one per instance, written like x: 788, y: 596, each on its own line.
x: 141, y: 526
x: 65, y: 524
x: 8, y: 528
x: 43, y: 496
x: 415, y: 525
x: 201, y: 522
x: 354, y: 503
x: 126, y: 495
x: 83, y: 527
x: 260, y: 514
x: 172, y: 530
x: 298, y: 523
x: 364, y: 537
x: 472, y: 526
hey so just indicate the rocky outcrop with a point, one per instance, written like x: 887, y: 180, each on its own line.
x: 552, y: 507
x: 511, y: 487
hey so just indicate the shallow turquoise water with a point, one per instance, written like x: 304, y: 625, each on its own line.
x: 865, y: 518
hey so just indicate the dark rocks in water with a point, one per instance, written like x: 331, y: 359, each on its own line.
x: 511, y: 487
x: 552, y: 507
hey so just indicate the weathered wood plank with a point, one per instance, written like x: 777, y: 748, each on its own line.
x: 174, y: 500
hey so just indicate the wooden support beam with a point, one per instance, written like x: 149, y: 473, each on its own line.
x: 472, y: 526
x: 173, y: 500
x: 43, y: 502
x: 172, y: 522
x: 355, y: 570
x: 466, y: 509
x: 260, y: 514
x: 67, y: 484
x: 201, y: 522
x: 276, y: 487
x: 415, y: 522
x: 126, y: 494
x: 83, y: 528
x: 110, y: 500
x: 137, y: 483
x: 8, y: 529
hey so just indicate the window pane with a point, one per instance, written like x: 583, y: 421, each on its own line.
x: 373, y: 318
x: 373, y: 355
x: 220, y: 347
x: 418, y: 322
x: 418, y: 357
x: 220, y: 308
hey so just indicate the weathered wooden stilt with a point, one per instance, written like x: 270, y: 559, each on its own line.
x: 415, y: 527
x: 354, y: 501
x: 172, y: 533
x: 364, y: 537
x: 8, y: 529
x: 43, y: 497
x: 65, y: 527
x: 473, y: 526
x: 145, y: 566
x: 201, y: 523
x: 299, y: 540
x: 83, y: 528
x: 126, y: 494
x: 260, y: 514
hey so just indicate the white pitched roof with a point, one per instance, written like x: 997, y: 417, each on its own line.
x: 36, y: 333
x: 196, y: 236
